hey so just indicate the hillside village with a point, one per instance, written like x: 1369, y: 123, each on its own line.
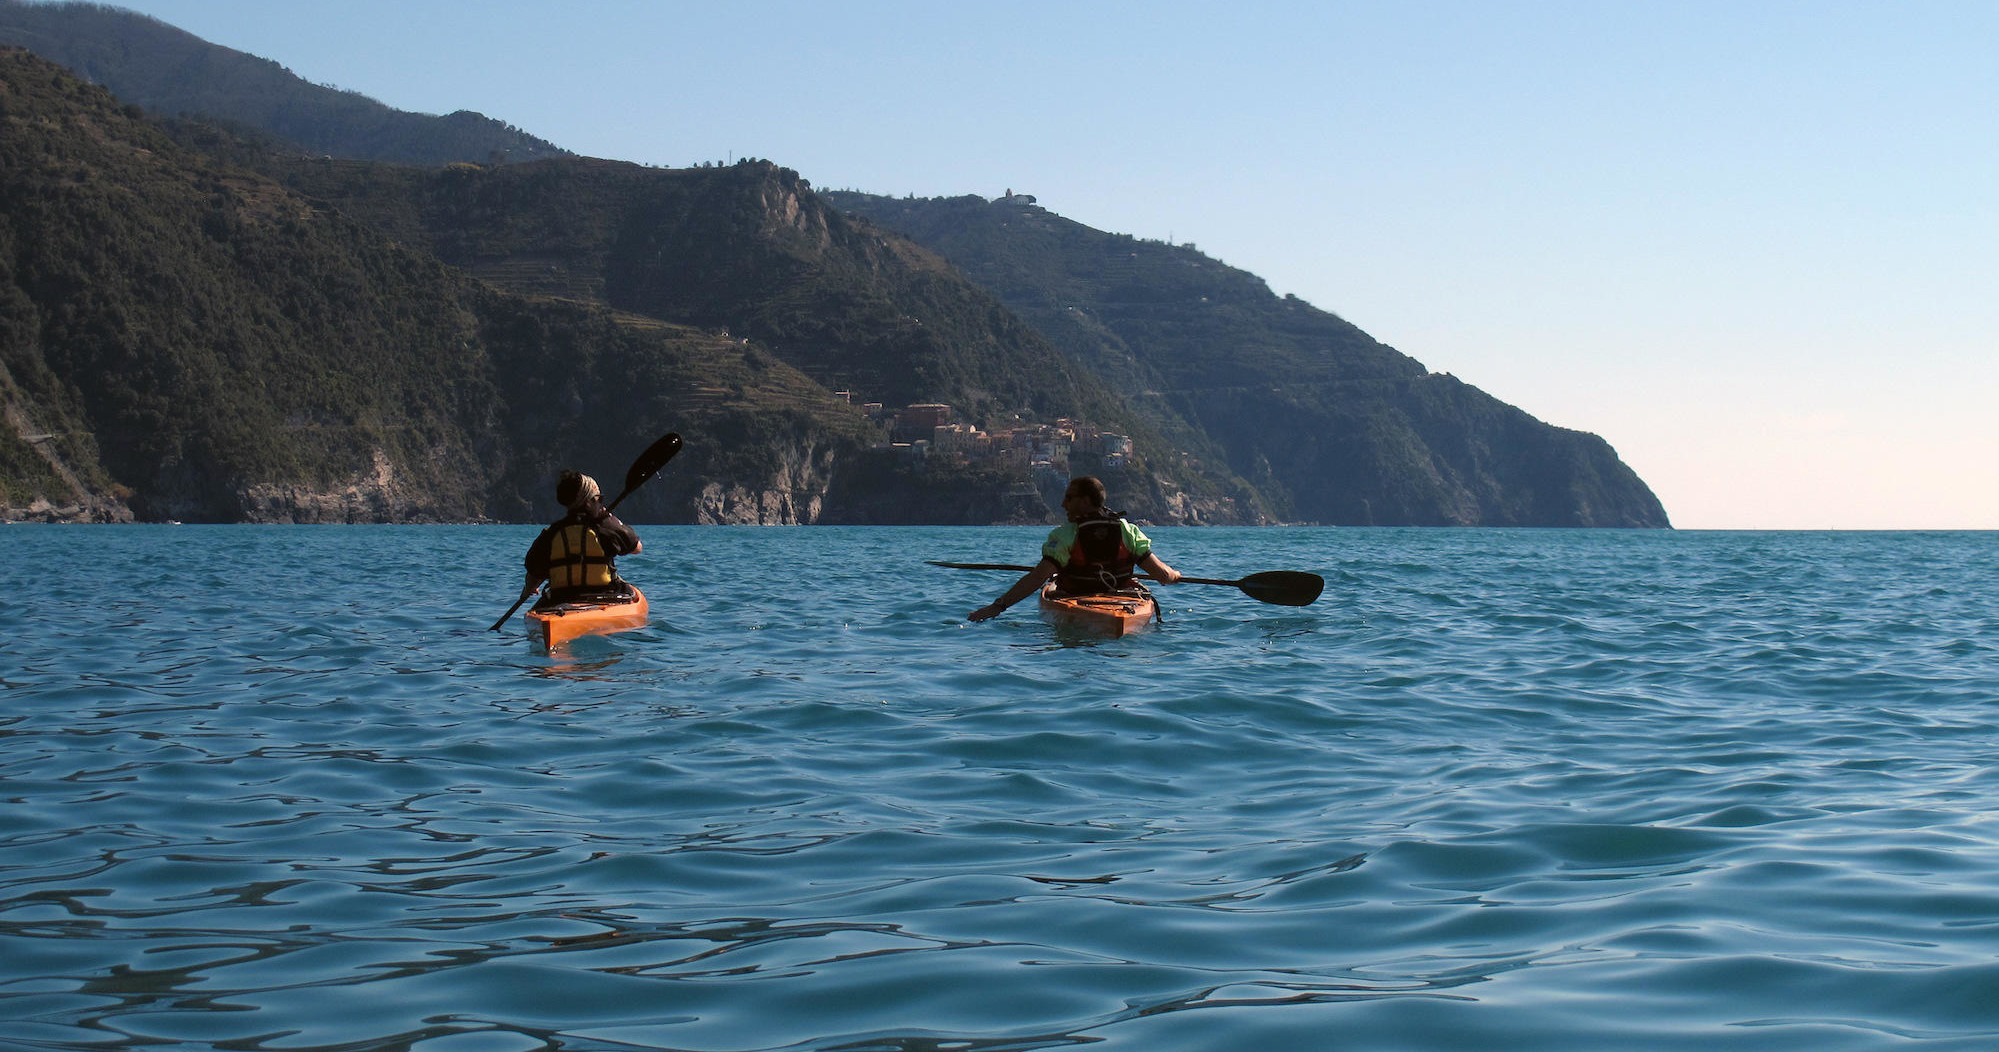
x: 926, y: 431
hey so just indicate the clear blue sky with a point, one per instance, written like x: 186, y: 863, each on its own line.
x: 1755, y: 245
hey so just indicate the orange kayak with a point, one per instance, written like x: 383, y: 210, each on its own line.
x: 1111, y: 615
x: 558, y: 623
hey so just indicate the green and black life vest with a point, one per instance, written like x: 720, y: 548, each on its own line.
x: 1098, y: 560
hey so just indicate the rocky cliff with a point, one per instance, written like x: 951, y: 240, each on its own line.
x: 192, y: 341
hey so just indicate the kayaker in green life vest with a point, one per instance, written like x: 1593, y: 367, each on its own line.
x: 1095, y: 552
x: 575, y: 553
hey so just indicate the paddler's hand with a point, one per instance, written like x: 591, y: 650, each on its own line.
x: 985, y: 613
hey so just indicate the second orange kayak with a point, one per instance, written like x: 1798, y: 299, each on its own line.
x: 1110, y: 615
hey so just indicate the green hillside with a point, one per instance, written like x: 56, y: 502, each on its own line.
x: 751, y: 250
x: 747, y: 248
x: 193, y: 341
x: 1329, y: 424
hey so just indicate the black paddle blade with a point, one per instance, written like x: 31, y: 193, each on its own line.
x: 1283, y: 587
x: 981, y: 566
x: 648, y: 464
x: 650, y: 461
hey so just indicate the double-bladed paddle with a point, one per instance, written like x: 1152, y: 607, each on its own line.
x: 645, y: 467
x: 1279, y: 587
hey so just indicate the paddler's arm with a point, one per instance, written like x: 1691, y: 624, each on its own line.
x: 537, y: 561
x: 1029, y: 583
x: 622, y: 539
x: 1157, y: 567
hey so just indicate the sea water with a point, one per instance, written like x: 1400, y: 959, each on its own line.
x: 280, y: 788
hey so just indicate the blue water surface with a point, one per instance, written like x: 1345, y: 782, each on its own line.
x: 279, y: 788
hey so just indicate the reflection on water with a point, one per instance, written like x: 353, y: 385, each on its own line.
x: 564, y: 664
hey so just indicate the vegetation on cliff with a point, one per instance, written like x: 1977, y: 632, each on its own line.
x: 220, y: 348
x: 1327, y: 423
x: 749, y: 249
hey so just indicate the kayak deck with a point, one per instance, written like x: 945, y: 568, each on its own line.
x: 558, y: 623
x: 1115, y: 614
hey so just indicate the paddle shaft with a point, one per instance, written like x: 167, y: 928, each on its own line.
x: 525, y: 593
x: 1024, y: 569
x: 1184, y: 579
x: 1278, y: 587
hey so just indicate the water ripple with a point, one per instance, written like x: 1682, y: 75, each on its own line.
x: 1497, y: 789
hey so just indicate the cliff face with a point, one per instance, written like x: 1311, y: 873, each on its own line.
x: 751, y: 251
x: 191, y: 341
x: 377, y: 495
x: 792, y: 494
x: 37, y: 481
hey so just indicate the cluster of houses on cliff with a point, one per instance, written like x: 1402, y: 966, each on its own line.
x: 927, y: 431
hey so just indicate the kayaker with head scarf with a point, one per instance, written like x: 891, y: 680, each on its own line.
x: 1095, y: 552
x: 575, y: 553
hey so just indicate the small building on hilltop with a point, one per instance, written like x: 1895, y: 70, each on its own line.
x: 919, y: 421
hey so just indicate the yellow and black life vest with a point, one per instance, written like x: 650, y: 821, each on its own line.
x: 576, y: 559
